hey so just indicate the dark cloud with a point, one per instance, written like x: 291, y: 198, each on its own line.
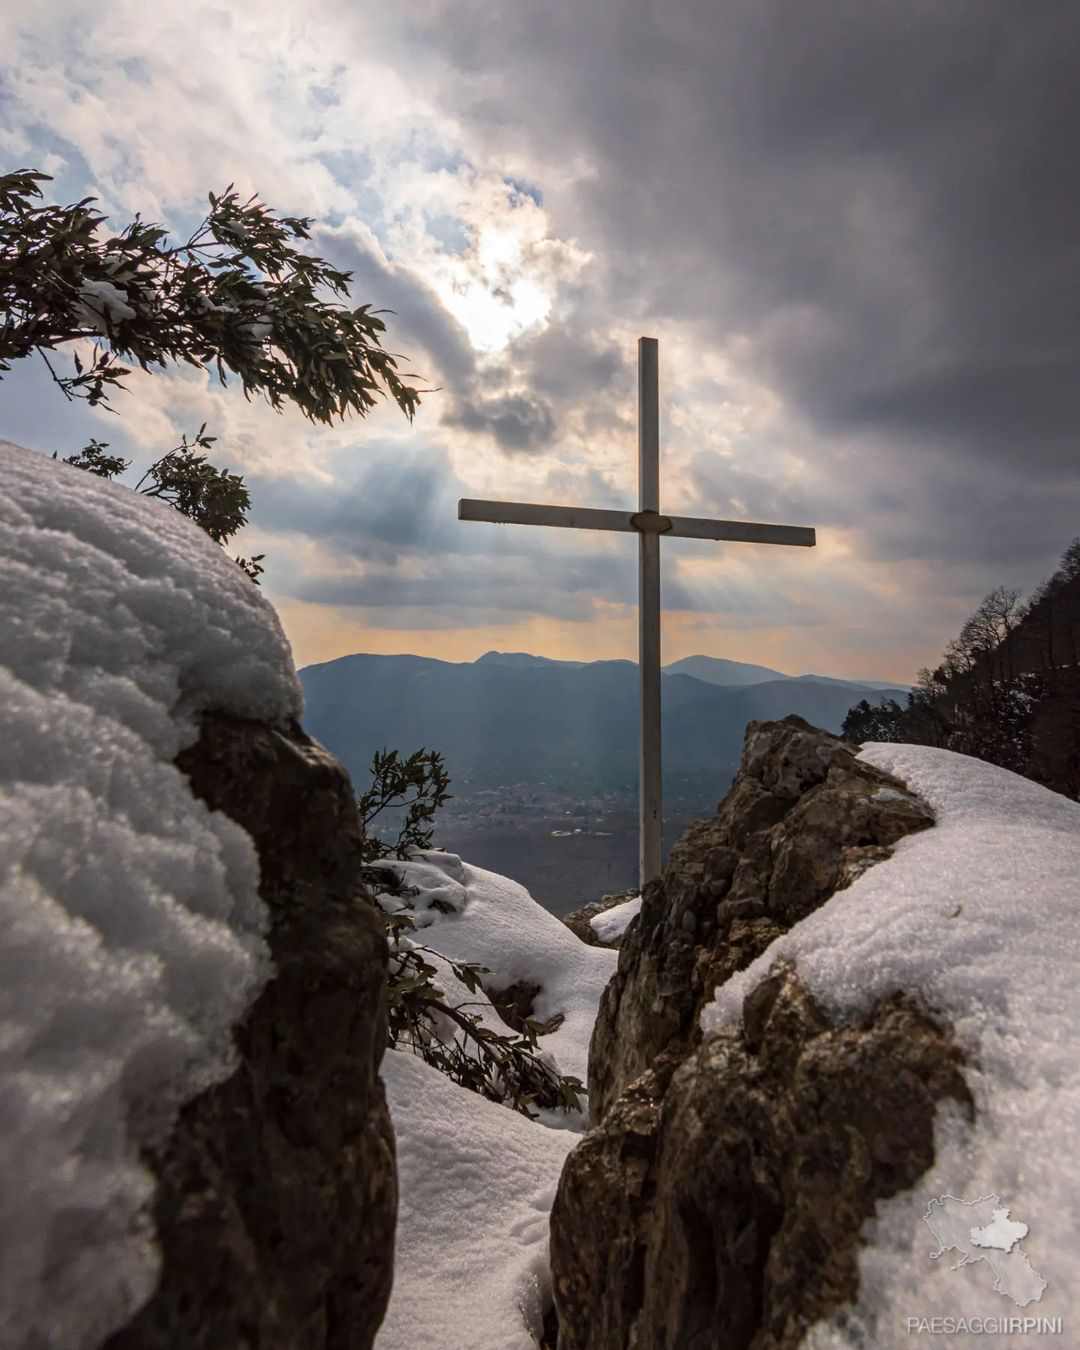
x: 518, y: 422
x: 424, y: 568
x: 465, y: 595
x: 469, y: 572
x: 557, y: 377
x: 881, y: 197
x: 393, y: 509
x: 566, y: 363
x: 729, y: 489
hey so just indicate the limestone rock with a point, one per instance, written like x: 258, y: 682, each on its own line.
x: 578, y: 921
x: 276, y: 1190
x: 718, y: 1198
x: 802, y: 819
x: 719, y: 1202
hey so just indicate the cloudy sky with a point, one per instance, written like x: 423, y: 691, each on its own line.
x: 854, y: 229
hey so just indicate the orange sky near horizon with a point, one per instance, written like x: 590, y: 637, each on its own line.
x: 320, y: 633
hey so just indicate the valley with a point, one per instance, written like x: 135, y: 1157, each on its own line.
x: 542, y: 754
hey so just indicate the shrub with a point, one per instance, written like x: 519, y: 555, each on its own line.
x: 506, y: 1067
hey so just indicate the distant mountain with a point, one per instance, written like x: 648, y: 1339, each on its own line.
x: 573, y: 727
x: 854, y: 684
x: 716, y: 670
x: 710, y: 669
x: 882, y: 684
x: 521, y: 660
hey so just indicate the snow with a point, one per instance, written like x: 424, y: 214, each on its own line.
x: 979, y: 917
x: 204, y: 305
x: 234, y: 231
x: 610, y: 925
x: 130, y: 922
x: 495, y: 922
x: 101, y: 305
x: 476, y: 1184
x: 476, y: 1178
x: 257, y: 330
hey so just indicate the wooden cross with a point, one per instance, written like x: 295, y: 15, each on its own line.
x: 649, y: 525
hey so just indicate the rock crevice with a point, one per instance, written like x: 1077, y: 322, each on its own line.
x: 717, y: 1199
x: 719, y: 1202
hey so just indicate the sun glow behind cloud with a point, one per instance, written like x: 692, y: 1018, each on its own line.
x: 494, y: 290
x: 484, y: 248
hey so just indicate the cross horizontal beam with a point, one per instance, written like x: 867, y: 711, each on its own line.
x: 641, y: 522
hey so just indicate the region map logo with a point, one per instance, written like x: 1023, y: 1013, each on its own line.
x: 981, y: 1230
x: 984, y: 1231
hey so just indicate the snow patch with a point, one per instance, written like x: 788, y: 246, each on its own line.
x: 613, y: 923
x: 101, y: 306
x: 476, y: 1184
x: 477, y: 1179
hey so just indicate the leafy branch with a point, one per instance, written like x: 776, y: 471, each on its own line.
x: 503, y: 1067
x: 236, y: 295
x: 393, y: 778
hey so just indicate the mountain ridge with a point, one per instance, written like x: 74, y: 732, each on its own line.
x: 571, y: 727
x: 708, y: 669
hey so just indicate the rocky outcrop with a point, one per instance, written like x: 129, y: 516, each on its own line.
x: 579, y: 921
x: 720, y: 1201
x: 717, y: 1200
x: 803, y: 818
x: 514, y: 1004
x: 276, y: 1190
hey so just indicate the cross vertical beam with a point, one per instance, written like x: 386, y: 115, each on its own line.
x: 650, y: 812
x: 649, y: 525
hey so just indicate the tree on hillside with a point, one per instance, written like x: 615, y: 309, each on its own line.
x: 872, y: 722
x: 236, y: 296
x: 1007, y: 688
x: 1054, y: 613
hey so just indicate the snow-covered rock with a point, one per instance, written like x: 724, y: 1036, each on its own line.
x: 901, y: 1048
x: 276, y: 1192
x: 151, y: 783
x: 610, y: 926
x: 465, y: 913
x: 802, y: 816
x: 593, y: 928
